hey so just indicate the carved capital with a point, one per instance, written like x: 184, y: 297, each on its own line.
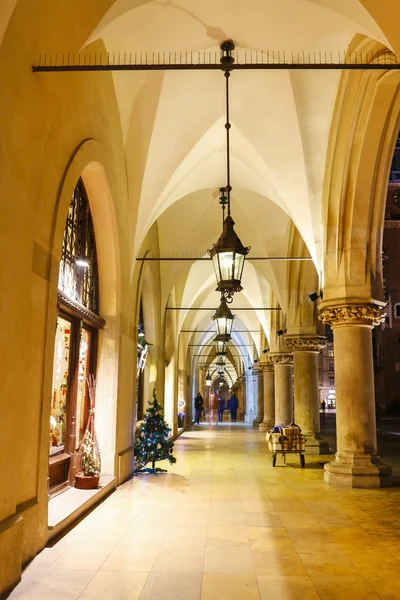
x: 281, y: 358
x: 306, y: 344
x: 266, y: 367
x: 370, y: 314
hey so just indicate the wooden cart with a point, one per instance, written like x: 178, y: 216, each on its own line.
x: 288, y: 440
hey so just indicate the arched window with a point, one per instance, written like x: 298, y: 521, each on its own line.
x: 142, y: 352
x: 75, y: 351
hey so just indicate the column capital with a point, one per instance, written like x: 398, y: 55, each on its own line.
x: 281, y: 358
x: 256, y: 370
x: 352, y: 312
x: 309, y: 343
x: 266, y: 367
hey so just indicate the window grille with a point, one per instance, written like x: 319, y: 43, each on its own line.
x: 79, y: 283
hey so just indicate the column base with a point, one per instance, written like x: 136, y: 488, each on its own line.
x: 356, y: 471
x: 256, y: 422
x: 266, y: 425
x: 315, y: 444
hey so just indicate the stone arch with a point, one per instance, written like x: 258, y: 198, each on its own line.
x: 88, y: 162
x: 148, y: 292
x: 362, y: 139
x: 302, y: 280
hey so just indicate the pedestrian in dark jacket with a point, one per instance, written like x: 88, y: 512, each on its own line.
x: 220, y: 407
x: 233, y: 405
x: 199, y: 407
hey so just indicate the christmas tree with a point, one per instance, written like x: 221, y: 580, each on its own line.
x: 151, y: 443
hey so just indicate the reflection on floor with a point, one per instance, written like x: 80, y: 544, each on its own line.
x: 224, y: 525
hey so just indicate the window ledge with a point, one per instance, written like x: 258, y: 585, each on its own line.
x: 67, y: 507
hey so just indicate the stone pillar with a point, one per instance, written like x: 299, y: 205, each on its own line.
x: 283, y: 387
x: 269, y: 396
x: 305, y: 352
x: 260, y: 396
x: 240, y: 396
x: 356, y: 463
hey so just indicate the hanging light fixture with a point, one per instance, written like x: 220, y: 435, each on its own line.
x: 221, y: 360
x: 221, y: 344
x: 228, y: 253
x: 223, y: 318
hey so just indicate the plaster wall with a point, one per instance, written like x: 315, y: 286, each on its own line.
x: 44, y: 124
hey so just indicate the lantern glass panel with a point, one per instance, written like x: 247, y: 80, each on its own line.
x: 239, y: 264
x: 226, y: 265
x: 224, y: 325
x: 221, y: 346
x: 215, y: 261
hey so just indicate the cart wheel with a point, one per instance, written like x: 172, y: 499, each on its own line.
x: 273, y: 460
x: 302, y: 460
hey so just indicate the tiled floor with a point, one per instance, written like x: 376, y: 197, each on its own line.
x: 224, y: 525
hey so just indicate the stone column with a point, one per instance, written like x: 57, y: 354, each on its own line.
x: 241, y: 398
x: 356, y: 463
x: 269, y: 396
x: 305, y: 352
x: 283, y: 387
x: 260, y: 396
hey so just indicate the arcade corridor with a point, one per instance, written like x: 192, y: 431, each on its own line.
x: 223, y: 524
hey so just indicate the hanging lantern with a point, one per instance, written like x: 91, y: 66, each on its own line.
x: 221, y: 360
x: 208, y: 380
x: 223, y: 318
x: 228, y: 253
x: 221, y: 344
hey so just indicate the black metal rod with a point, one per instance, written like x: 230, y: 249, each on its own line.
x: 213, y: 308
x: 233, y: 331
x: 211, y: 67
x: 208, y: 355
x: 228, y: 160
x: 213, y: 345
x: 185, y: 258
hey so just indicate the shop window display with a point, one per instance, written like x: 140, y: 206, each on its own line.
x: 75, y: 347
x: 60, y: 387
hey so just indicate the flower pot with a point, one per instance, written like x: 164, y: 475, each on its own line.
x: 86, y: 482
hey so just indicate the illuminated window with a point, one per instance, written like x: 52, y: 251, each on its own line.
x: 77, y: 325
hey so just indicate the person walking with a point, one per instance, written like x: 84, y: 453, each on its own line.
x: 233, y: 405
x: 220, y: 407
x: 199, y: 407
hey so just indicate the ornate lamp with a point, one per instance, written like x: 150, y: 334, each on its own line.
x: 208, y: 380
x: 221, y: 360
x: 228, y: 253
x: 221, y: 344
x: 223, y: 318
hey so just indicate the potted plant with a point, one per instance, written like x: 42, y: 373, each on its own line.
x: 88, y: 466
x: 181, y: 419
x: 181, y: 413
